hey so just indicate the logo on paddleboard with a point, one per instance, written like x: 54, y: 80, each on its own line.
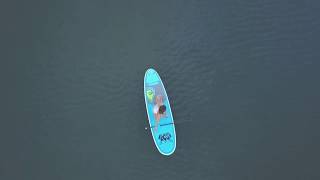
x: 165, y: 137
x: 150, y: 95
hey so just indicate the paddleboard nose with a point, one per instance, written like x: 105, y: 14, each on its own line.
x: 151, y: 77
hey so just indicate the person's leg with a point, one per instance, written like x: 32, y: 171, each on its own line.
x: 157, y: 118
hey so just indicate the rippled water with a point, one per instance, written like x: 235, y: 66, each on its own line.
x: 244, y: 74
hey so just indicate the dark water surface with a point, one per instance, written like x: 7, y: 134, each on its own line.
x: 246, y: 73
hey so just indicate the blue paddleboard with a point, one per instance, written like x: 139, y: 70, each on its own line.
x: 164, y: 135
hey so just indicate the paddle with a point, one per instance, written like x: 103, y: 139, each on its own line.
x: 166, y: 124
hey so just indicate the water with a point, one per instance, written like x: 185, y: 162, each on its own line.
x: 244, y: 75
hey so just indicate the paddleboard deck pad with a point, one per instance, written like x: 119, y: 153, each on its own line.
x: 164, y: 135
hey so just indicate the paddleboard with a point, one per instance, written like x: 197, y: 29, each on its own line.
x: 164, y: 135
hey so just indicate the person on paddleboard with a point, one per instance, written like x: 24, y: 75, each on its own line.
x: 159, y: 110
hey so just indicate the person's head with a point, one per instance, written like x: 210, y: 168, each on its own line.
x: 162, y: 109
